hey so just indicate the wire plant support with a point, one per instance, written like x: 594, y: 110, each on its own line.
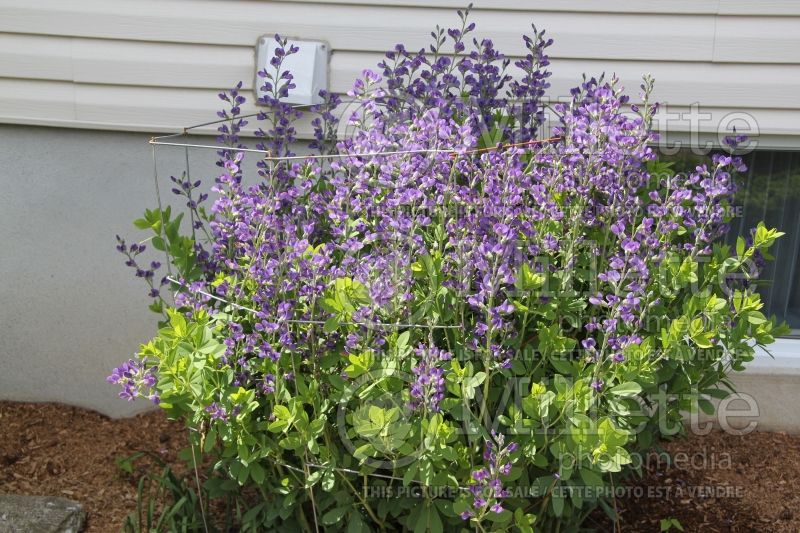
x: 170, y: 140
x: 182, y: 141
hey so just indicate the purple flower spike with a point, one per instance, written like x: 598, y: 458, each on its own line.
x: 427, y: 391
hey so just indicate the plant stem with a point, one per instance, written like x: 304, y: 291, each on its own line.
x: 364, y: 502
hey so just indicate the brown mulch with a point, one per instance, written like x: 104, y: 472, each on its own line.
x: 717, y: 483
x: 59, y: 450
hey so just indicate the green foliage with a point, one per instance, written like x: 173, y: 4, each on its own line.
x: 164, y: 501
x: 324, y: 435
x: 668, y: 524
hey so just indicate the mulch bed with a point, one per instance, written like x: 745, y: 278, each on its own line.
x: 59, y: 450
x: 717, y: 483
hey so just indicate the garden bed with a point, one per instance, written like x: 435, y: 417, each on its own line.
x: 60, y: 450
x: 719, y: 482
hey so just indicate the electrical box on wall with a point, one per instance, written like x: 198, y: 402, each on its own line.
x: 309, y: 66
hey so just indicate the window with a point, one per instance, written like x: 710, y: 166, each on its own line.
x: 768, y: 191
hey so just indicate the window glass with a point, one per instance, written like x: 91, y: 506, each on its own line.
x: 768, y: 191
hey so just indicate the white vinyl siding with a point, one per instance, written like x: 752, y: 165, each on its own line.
x: 156, y: 65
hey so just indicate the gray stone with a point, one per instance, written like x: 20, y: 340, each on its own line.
x: 39, y: 514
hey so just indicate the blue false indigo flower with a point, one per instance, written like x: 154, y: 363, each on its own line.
x: 428, y: 387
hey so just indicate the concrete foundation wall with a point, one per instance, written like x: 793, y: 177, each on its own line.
x: 71, y: 310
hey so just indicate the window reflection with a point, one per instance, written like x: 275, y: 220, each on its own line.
x: 769, y: 191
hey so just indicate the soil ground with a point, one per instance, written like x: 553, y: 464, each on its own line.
x: 715, y: 483
x: 58, y: 450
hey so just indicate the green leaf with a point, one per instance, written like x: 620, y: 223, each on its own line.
x: 210, y: 440
x: 524, y: 522
x: 331, y: 325
x: 357, y: 525
x: 562, y: 366
x: 402, y: 342
x: 314, y: 478
x: 706, y: 406
x: 411, y: 471
x: 619, y: 407
x: 291, y: 443
x: 328, y: 481
x: 557, y: 501
x: 244, y: 473
x: 334, y: 515
x: 257, y: 473
x: 433, y: 521
x: 362, y: 452
x: 668, y: 523
x: 282, y: 412
x: 629, y: 388
x: 142, y: 223
x: 591, y: 478
x: 740, y: 246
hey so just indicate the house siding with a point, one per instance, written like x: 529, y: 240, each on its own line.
x: 155, y: 65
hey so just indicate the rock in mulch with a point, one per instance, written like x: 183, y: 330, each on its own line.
x: 39, y: 514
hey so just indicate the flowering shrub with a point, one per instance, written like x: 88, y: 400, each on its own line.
x: 445, y: 320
